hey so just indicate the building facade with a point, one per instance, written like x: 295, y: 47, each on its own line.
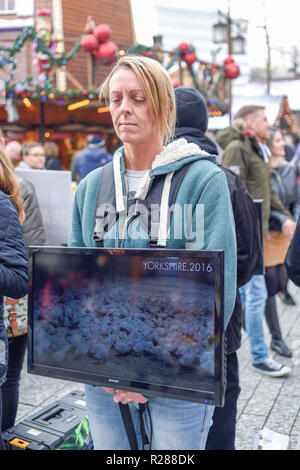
x: 69, y: 18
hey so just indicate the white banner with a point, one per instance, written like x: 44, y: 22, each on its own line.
x: 54, y: 193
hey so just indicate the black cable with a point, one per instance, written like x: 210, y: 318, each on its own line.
x: 151, y: 428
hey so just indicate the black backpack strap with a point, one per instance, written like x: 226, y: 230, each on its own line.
x: 129, y: 426
x: 153, y: 201
x: 105, y: 217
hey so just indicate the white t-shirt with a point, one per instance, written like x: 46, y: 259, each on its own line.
x: 134, y: 179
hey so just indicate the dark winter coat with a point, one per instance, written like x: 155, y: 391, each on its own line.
x: 284, y: 182
x: 292, y: 260
x: 192, y: 124
x: 53, y: 163
x: 243, y: 155
x: 13, y: 267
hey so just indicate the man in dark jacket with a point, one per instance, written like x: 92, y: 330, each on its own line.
x: 246, y: 154
x: 192, y: 121
x: 92, y: 157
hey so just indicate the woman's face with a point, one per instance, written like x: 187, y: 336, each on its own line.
x: 277, y: 145
x: 130, y: 112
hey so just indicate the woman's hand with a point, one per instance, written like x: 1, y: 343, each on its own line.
x: 288, y: 228
x: 124, y: 397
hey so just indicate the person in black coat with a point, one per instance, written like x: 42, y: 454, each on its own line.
x: 192, y: 122
x: 34, y: 234
x: 283, y: 176
x: 292, y: 259
x: 13, y: 255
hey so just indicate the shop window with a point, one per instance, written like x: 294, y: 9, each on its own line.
x: 7, y: 6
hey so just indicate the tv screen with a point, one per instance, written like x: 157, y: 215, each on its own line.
x: 146, y: 320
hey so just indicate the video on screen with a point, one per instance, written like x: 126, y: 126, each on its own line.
x: 145, y: 319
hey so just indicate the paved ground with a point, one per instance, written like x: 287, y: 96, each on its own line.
x: 263, y: 402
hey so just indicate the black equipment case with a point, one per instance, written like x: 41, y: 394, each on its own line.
x: 63, y: 425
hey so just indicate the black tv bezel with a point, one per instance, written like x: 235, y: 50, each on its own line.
x: 215, y: 397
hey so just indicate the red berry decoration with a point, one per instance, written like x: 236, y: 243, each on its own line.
x: 190, y: 58
x: 232, y: 71
x: 183, y: 47
x: 89, y: 42
x: 102, y: 32
x: 106, y: 52
x: 228, y: 60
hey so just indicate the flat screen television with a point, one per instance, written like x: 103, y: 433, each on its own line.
x: 145, y: 320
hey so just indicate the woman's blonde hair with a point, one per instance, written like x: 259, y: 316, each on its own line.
x: 157, y: 87
x: 9, y: 184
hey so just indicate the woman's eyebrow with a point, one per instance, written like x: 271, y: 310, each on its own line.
x: 133, y: 90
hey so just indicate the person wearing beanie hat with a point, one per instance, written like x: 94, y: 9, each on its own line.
x: 93, y: 156
x: 191, y: 124
x: 192, y: 118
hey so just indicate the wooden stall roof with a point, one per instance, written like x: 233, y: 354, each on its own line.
x: 57, y: 116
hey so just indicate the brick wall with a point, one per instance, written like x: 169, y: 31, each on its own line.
x: 115, y: 13
x: 39, y: 4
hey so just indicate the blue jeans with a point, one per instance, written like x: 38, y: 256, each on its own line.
x: 176, y: 425
x: 254, y: 296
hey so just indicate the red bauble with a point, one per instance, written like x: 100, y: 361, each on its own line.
x: 190, y: 58
x: 89, y: 42
x: 232, y: 71
x: 228, y: 60
x: 102, y: 32
x: 183, y: 47
x: 106, y: 52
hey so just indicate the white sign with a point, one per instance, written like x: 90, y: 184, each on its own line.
x: 54, y: 193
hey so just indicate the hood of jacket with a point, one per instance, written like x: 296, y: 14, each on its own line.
x: 174, y: 156
x: 227, y: 135
x: 192, y: 118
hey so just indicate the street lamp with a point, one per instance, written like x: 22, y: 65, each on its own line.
x: 220, y: 32
x: 238, y: 45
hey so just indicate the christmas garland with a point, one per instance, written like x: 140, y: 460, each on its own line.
x: 43, y: 90
x: 186, y: 53
x: 31, y: 87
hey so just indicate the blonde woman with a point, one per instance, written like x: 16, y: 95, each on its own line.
x: 13, y: 255
x: 143, y: 110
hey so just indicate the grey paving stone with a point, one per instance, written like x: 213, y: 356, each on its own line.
x: 247, y: 427
x: 263, y: 401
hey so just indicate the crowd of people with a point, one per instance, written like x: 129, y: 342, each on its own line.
x: 164, y: 131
